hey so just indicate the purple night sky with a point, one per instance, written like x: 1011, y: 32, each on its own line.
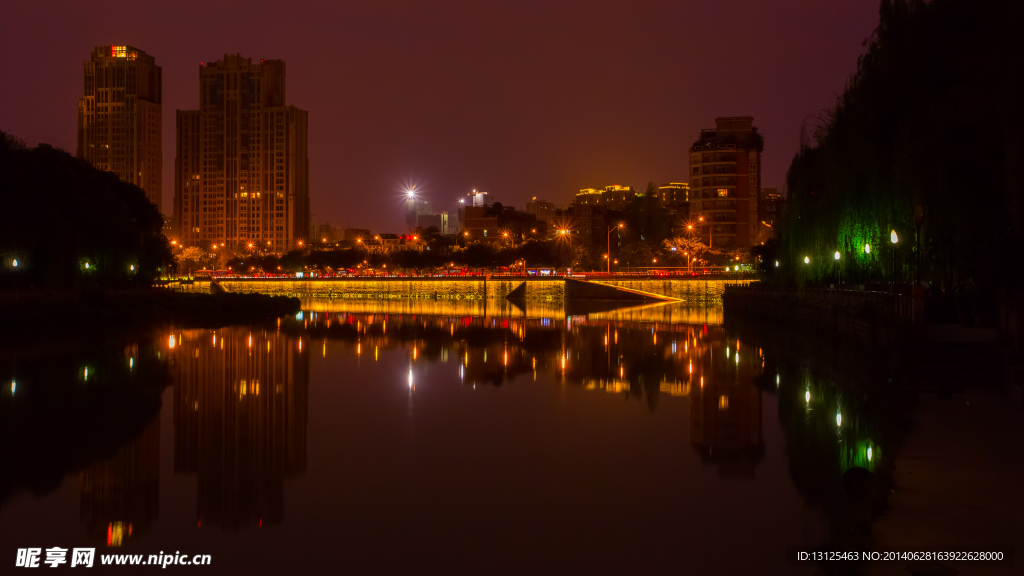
x: 518, y: 98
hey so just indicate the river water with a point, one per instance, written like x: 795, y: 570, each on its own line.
x: 363, y: 438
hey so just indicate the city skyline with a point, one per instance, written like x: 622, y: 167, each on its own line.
x: 402, y: 96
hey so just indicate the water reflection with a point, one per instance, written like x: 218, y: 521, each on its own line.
x: 120, y: 495
x: 643, y: 361
x: 69, y: 405
x: 501, y: 423
x: 240, y: 404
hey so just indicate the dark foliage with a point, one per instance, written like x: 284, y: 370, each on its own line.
x: 61, y: 213
x: 927, y: 141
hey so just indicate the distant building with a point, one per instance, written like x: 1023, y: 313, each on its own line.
x: 356, y: 234
x: 771, y: 208
x: 612, y: 197
x: 588, y: 223
x: 120, y: 118
x: 675, y: 197
x: 439, y: 221
x: 480, y: 223
x: 494, y: 223
x: 414, y: 208
x: 326, y: 234
x: 542, y: 209
x: 725, y: 182
x: 242, y: 169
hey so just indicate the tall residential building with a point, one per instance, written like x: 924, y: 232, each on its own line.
x: 241, y: 172
x: 725, y: 182
x: 119, y: 126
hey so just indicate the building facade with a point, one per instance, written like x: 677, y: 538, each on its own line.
x: 119, y: 117
x: 725, y: 182
x: 674, y: 194
x: 439, y: 221
x: 675, y: 197
x: 416, y: 207
x: 542, y: 209
x: 771, y: 206
x: 612, y: 197
x: 241, y: 168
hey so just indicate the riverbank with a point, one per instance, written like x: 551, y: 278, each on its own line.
x: 30, y: 313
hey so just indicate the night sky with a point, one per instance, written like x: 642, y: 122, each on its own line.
x: 517, y: 98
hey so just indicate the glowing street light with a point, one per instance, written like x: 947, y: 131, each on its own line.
x: 867, y: 248
x: 610, y: 230
x: 807, y: 260
x: 893, y: 239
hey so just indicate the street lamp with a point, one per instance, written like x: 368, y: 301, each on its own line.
x: 610, y: 230
x: 839, y: 271
x: 807, y: 260
x: 711, y: 232
x: 893, y: 239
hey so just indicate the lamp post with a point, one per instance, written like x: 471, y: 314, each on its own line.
x: 610, y: 230
x: 893, y: 239
x: 711, y: 232
x: 839, y: 271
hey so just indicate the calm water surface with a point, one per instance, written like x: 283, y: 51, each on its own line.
x: 641, y: 441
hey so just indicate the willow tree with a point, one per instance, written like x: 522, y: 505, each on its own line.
x: 926, y: 140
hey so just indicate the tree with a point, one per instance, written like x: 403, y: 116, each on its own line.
x: 907, y: 148
x: 646, y: 219
x: 699, y: 252
x: 189, y: 259
x: 60, y: 214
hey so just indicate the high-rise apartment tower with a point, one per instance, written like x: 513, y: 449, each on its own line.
x: 119, y: 128
x: 241, y: 171
x: 725, y: 182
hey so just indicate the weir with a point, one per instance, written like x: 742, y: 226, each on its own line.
x: 532, y: 291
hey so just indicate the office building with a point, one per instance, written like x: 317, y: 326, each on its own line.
x: 241, y: 168
x: 119, y: 117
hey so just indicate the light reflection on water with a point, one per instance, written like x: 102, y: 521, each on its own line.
x: 529, y: 440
